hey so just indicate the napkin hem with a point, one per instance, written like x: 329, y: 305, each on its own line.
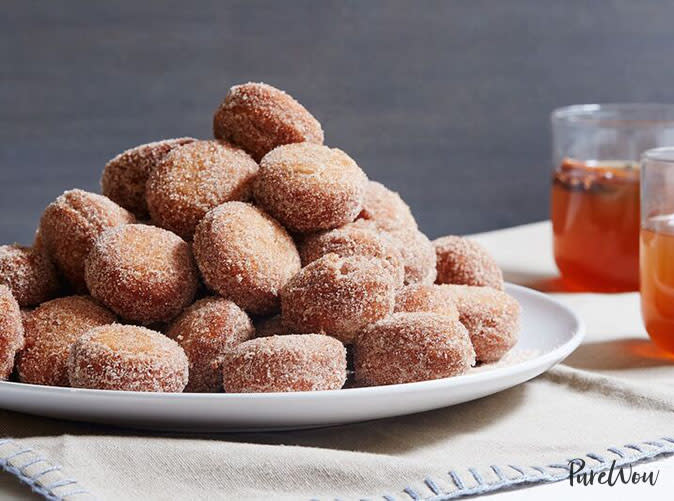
x: 44, y: 477
x: 475, y: 481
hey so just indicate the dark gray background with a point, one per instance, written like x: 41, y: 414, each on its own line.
x: 446, y: 102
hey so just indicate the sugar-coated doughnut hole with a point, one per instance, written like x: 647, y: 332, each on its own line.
x: 245, y: 255
x: 143, y: 273
x: 310, y: 187
x: 127, y: 358
x: 465, y: 262
x: 11, y: 331
x: 195, y: 178
x: 125, y: 176
x: 429, y: 298
x: 304, y: 362
x: 491, y: 316
x: 259, y: 117
x: 29, y: 273
x: 409, y: 347
x: 417, y: 253
x: 355, y: 239
x: 338, y: 296
x: 271, y: 326
x: 50, y: 330
x: 386, y: 208
x: 70, y: 225
x: 206, y: 331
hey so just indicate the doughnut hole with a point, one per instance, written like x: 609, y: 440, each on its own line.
x: 29, y: 274
x: 70, y: 225
x: 127, y: 358
x: 11, y: 331
x: 143, y: 273
x: 50, y: 331
x: 417, y: 254
x: 491, y: 316
x: 195, y: 178
x: 337, y: 296
x: 245, y: 256
x: 385, y: 208
x: 465, y: 262
x: 309, y: 187
x: 206, y: 331
x: 305, y: 362
x: 258, y: 118
x: 125, y: 176
x: 355, y: 239
x: 426, y: 298
x: 409, y: 347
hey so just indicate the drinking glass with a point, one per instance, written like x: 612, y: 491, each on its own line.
x: 595, y: 190
x: 657, y: 245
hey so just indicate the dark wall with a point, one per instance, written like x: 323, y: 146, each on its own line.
x: 446, y: 102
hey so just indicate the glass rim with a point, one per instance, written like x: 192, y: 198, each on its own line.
x: 663, y: 154
x: 615, y: 115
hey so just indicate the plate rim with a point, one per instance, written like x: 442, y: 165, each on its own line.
x: 546, y: 360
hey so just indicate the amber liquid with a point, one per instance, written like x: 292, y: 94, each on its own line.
x: 657, y: 284
x: 595, y: 222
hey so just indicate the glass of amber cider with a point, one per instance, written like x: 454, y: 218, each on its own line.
x: 595, y: 190
x: 657, y: 245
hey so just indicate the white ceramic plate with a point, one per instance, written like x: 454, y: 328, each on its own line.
x: 549, y: 333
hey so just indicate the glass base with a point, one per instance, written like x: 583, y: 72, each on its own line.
x: 575, y: 280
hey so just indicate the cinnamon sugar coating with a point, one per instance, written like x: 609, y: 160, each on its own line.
x: 29, y: 274
x: 409, y: 347
x: 50, y: 331
x: 465, y: 262
x: 337, y: 296
x: 306, y: 362
x: 11, y: 331
x: 193, y: 179
x: 127, y: 358
x: 417, y: 253
x: 310, y: 187
x: 386, y: 208
x: 143, y: 273
x: 206, y: 331
x: 426, y: 298
x: 259, y: 117
x: 125, y: 176
x: 355, y: 239
x: 70, y: 225
x: 491, y: 316
x: 245, y: 255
